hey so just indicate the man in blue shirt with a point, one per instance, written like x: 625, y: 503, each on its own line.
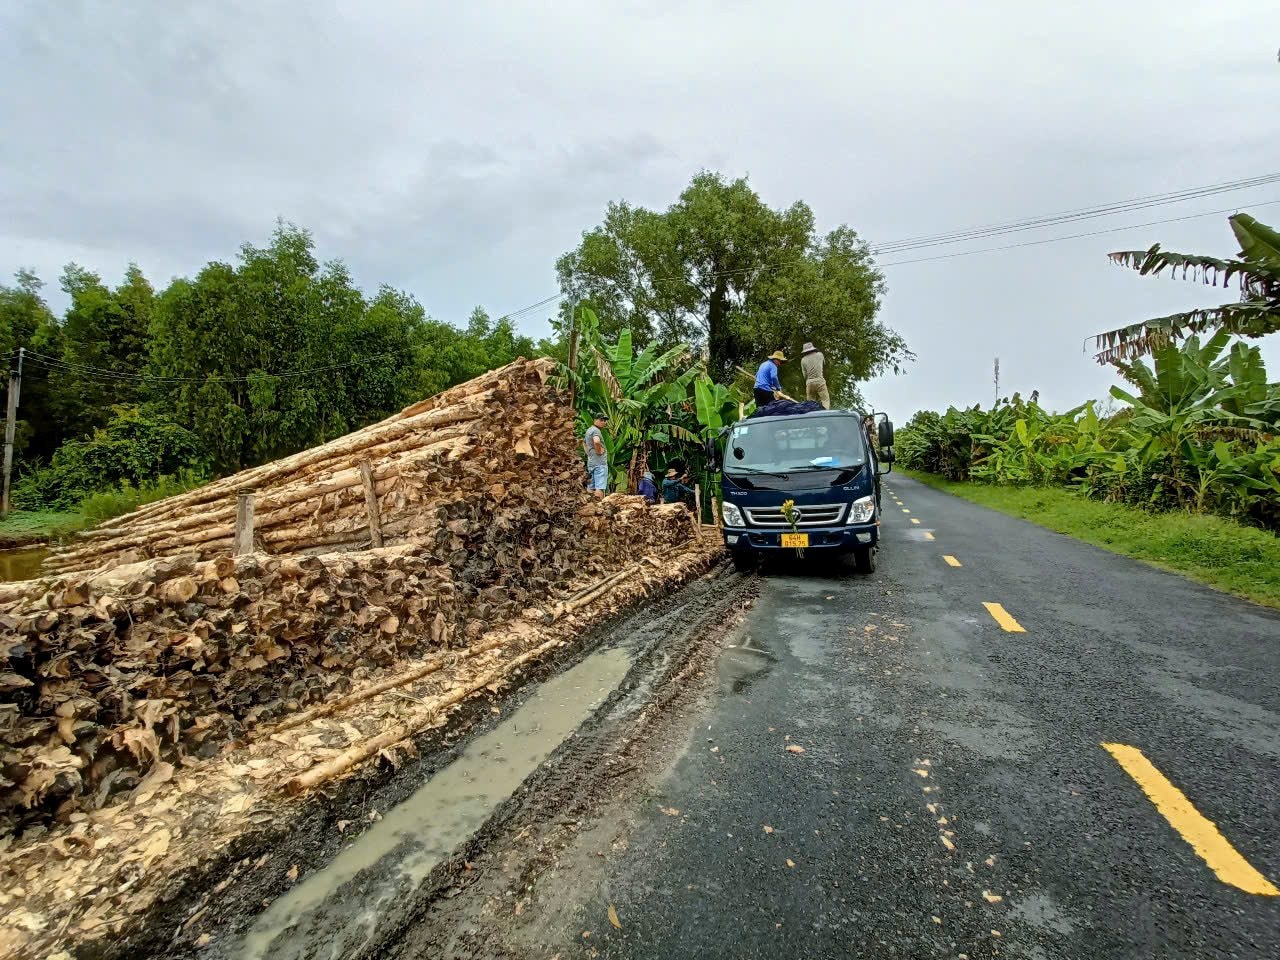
x: 768, y: 388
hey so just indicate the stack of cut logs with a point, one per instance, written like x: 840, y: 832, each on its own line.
x: 479, y: 450
x: 155, y: 639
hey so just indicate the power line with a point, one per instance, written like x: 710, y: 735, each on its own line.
x: 1070, y: 216
x: 1076, y: 236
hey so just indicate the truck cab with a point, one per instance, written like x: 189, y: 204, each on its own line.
x: 803, y: 483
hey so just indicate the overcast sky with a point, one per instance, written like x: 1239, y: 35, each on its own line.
x: 455, y: 150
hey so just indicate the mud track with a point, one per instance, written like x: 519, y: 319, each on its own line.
x: 671, y: 640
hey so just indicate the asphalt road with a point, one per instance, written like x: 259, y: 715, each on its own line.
x: 954, y: 798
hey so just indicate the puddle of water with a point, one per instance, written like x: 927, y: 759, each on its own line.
x: 398, y: 852
x: 21, y: 564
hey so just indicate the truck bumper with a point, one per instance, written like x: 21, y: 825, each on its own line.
x: 826, y: 539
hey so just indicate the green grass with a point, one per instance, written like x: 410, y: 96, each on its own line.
x: 1228, y: 556
x: 30, y: 526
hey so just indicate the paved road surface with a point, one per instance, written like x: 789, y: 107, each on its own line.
x: 954, y: 797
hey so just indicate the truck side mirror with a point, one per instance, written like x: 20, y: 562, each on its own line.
x: 886, y: 455
x: 884, y: 434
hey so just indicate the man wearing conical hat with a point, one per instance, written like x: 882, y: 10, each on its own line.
x: 815, y: 384
x: 768, y: 388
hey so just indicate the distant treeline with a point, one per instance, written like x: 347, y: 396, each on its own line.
x: 239, y: 365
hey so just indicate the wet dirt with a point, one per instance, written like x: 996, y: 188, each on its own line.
x: 213, y: 912
x: 342, y: 904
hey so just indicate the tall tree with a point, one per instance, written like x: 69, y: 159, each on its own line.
x: 724, y: 270
x: 102, y: 330
x: 26, y: 321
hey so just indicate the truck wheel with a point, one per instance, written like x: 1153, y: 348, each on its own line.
x: 864, y: 560
x: 745, y: 561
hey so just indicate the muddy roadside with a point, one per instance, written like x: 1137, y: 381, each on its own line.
x: 567, y: 818
x: 209, y: 912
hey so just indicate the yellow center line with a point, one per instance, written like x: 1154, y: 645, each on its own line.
x: 928, y: 535
x: 1001, y: 616
x: 951, y: 561
x: 1212, y: 847
x: 905, y: 510
x: 914, y: 520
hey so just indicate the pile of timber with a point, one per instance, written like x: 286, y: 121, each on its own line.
x: 481, y: 449
x: 162, y: 639
x: 103, y: 675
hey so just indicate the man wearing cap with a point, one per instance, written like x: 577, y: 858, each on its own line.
x: 768, y: 388
x: 815, y: 384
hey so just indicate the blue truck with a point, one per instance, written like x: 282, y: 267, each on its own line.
x: 825, y: 464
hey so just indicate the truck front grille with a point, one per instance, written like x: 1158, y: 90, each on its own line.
x: 811, y: 515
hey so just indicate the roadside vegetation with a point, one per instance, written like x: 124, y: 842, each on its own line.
x: 1184, y: 472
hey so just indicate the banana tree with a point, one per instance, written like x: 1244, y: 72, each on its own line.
x: 1256, y: 270
x: 639, y: 393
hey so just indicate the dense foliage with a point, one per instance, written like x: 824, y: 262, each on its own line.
x: 1256, y: 270
x: 1200, y: 433
x: 238, y: 365
x: 660, y: 404
x: 723, y: 271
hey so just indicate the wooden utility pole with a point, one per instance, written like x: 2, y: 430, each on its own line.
x: 10, y: 426
x: 244, y: 523
x: 371, y: 503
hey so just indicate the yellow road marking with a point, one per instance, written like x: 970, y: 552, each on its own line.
x: 951, y: 561
x: 1212, y: 847
x: 914, y: 520
x: 928, y: 535
x: 905, y: 510
x: 1001, y: 616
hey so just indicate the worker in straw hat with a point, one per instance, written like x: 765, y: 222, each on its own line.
x: 768, y: 388
x: 815, y: 384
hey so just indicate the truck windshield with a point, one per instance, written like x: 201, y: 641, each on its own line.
x: 823, y: 443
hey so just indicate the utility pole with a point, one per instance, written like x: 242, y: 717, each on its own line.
x: 10, y: 425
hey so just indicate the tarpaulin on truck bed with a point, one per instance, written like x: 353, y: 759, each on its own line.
x: 786, y: 408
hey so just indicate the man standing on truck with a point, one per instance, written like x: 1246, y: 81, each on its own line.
x: 768, y: 388
x: 597, y: 456
x: 815, y: 384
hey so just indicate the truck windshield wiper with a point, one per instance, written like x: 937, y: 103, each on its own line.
x: 830, y: 466
x: 771, y: 473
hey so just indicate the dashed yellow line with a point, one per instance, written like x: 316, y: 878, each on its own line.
x: 914, y: 520
x: 951, y: 561
x: 1205, y: 839
x: 905, y: 510
x: 928, y: 535
x: 1002, y: 617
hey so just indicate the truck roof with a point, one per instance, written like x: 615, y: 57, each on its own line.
x: 803, y: 416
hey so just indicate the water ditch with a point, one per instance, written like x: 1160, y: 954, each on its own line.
x: 337, y: 910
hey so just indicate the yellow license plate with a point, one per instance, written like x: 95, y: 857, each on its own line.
x: 795, y: 539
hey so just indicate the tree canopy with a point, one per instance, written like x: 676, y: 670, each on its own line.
x: 721, y: 269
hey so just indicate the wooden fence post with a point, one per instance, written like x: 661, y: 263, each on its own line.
x: 371, y: 503
x: 244, y: 523
x: 697, y: 517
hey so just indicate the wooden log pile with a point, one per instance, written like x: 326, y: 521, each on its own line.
x: 483, y: 448
x: 107, y: 673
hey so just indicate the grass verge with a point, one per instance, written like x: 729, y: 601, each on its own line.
x: 1228, y: 556
x: 36, y: 526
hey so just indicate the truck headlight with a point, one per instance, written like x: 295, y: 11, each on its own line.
x: 732, y: 515
x: 862, y: 510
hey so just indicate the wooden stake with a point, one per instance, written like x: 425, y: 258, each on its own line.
x: 697, y: 517
x: 244, y: 523
x: 371, y: 503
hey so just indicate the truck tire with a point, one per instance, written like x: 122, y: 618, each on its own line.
x: 745, y: 561
x: 864, y: 560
